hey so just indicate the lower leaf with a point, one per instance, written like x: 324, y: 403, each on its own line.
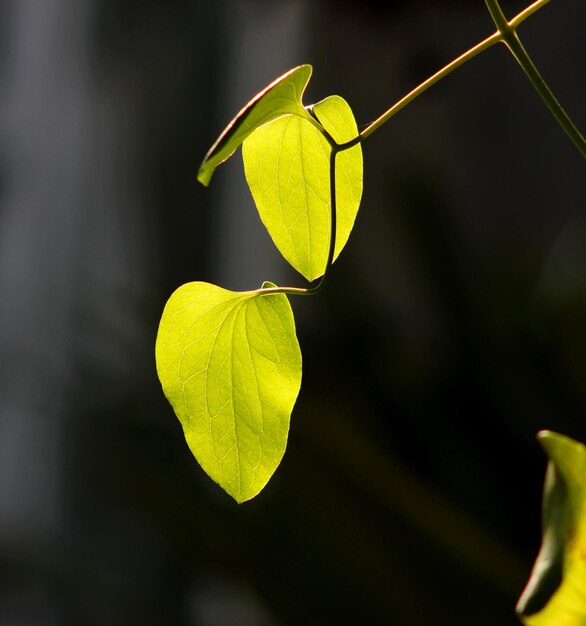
x: 230, y: 365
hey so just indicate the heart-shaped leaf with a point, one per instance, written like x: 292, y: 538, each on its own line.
x: 556, y: 592
x: 287, y: 166
x: 282, y: 97
x: 230, y: 366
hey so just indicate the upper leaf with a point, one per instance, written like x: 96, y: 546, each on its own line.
x: 287, y: 166
x: 282, y: 97
x: 556, y: 591
x: 230, y: 366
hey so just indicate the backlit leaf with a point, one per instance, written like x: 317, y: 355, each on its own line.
x: 287, y: 166
x: 282, y: 97
x: 556, y: 592
x: 230, y: 366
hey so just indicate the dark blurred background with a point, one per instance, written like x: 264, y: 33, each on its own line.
x: 453, y: 327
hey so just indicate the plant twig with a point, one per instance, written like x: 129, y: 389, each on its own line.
x: 425, y: 85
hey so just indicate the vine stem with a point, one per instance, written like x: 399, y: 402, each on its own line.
x: 424, y: 86
x: 508, y: 35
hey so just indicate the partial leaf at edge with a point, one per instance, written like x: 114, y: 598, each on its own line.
x: 230, y: 365
x: 282, y: 97
x: 287, y: 167
x: 556, y: 592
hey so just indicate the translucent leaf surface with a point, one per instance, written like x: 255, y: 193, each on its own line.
x: 287, y: 166
x: 230, y: 366
x: 556, y: 592
x: 282, y: 97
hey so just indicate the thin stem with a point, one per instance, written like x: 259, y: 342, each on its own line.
x: 501, y: 21
x: 424, y: 86
x: 311, y: 291
x: 498, y: 17
x: 333, y: 216
x: 511, y: 40
x: 563, y: 119
x: 530, y: 10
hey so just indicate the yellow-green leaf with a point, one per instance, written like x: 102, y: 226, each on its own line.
x: 556, y: 592
x: 282, y: 97
x: 287, y: 166
x: 230, y: 366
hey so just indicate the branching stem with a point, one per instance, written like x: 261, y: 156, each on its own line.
x: 506, y: 33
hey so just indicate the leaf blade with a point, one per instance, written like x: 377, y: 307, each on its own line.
x: 287, y: 167
x: 230, y: 366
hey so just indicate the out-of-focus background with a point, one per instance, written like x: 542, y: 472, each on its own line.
x: 453, y: 327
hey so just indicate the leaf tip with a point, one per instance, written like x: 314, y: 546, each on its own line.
x: 544, y: 434
x: 204, y: 175
x: 240, y: 497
